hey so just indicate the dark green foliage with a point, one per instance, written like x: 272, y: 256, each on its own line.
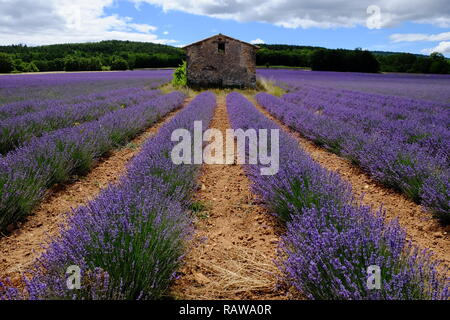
x: 317, y: 58
x: 406, y: 62
x: 42, y: 65
x: 349, y: 60
x: 74, y: 63
x: 344, y: 60
x: 438, y: 63
x: 119, y: 63
x: 21, y: 66
x: 6, y: 63
x: 101, y: 55
x: 92, y: 56
x: 157, y: 60
x: 283, y: 56
x: 399, y: 62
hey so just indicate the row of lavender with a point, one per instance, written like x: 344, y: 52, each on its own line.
x: 68, y: 85
x: 390, y: 106
x: 129, y: 241
x: 28, y: 171
x: 416, y: 86
x: 407, y: 120
x: 386, y: 154
x: 331, y: 240
x: 17, y: 130
x: 18, y: 108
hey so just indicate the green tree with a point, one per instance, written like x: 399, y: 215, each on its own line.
x: 421, y: 65
x: 437, y: 56
x: 42, y: 65
x: 23, y: 66
x: 119, y: 63
x: 440, y: 67
x: 368, y: 62
x: 6, y: 63
x: 94, y: 64
x: 72, y: 63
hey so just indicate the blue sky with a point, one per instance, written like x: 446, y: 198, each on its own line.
x: 401, y: 25
x: 187, y: 28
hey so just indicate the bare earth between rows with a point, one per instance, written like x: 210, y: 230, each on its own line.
x: 422, y: 229
x: 235, y: 243
x: 233, y: 251
x: 19, y: 249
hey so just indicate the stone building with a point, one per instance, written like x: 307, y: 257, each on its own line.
x: 221, y: 61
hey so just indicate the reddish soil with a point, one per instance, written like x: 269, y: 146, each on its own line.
x: 233, y: 250
x: 234, y: 247
x: 423, y: 230
x: 19, y: 249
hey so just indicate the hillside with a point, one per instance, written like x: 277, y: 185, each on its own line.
x: 319, y: 58
x: 111, y: 54
x: 122, y: 55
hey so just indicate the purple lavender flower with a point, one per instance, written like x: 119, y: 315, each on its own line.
x: 26, y: 172
x: 331, y: 240
x: 403, y: 152
x: 130, y: 240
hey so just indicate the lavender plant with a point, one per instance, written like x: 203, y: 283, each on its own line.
x: 326, y: 254
x: 26, y: 172
x: 382, y: 150
x: 130, y: 240
x: 65, y: 86
x: 417, y: 86
x: 300, y: 183
x: 16, y: 131
x: 18, y: 108
x: 331, y: 239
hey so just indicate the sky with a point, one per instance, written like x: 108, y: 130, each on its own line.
x: 416, y: 26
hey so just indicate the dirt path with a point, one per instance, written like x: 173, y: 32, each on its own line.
x: 23, y: 245
x: 420, y: 226
x: 236, y: 239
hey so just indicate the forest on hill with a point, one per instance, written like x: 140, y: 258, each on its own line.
x: 96, y: 56
x: 357, y: 60
x: 123, y: 55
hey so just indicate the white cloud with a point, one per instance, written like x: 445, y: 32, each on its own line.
x: 416, y: 37
x: 61, y: 21
x: 443, y: 39
x: 36, y: 22
x: 314, y: 13
x: 144, y: 28
x: 257, y: 41
x: 443, y: 47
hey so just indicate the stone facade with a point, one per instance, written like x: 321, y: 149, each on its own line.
x: 221, y: 61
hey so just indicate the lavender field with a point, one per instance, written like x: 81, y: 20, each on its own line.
x: 154, y: 229
x: 417, y: 86
x: 66, y: 86
x: 401, y: 142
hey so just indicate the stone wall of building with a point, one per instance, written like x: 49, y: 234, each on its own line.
x: 208, y: 65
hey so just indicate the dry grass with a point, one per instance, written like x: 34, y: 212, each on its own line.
x: 169, y: 87
x: 232, y: 254
x: 236, y: 273
x: 262, y: 85
x: 269, y: 86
